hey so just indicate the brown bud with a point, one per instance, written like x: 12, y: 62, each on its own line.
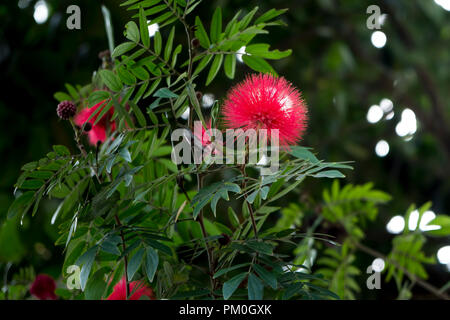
x: 104, y: 55
x: 66, y: 110
x: 224, y: 240
x: 195, y: 43
x: 87, y: 127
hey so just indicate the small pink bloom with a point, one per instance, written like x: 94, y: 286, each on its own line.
x: 205, y: 136
x: 137, y: 290
x: 266, y: 102
x: 98, y: 132
x: 44, y: 287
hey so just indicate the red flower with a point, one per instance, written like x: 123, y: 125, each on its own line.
x: 205, y: 137
x: 137, y: 290
x: 266, y: 102
x: 97, y: 132
x: 44, y: 287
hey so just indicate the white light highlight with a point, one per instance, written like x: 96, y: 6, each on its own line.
x: 445, y: 4
x: 374, y: 114
x: 23, y: 3
x: 386, y: 105
x: 152, y: 28
x: 185, y: 114
x: 378, y: 39
x: 413, y: 220
x: 427, y: 217
x: 382, y: 148
x: 264, y: 161
x: 239, y: 54
x: 41, y: 12
x: 443, y: 255
x: 390, y: 115
x: 382, y: 19
x: 407, y: 124
x: 396, y: 225
x: 208, y: 100
x: 378, y: 265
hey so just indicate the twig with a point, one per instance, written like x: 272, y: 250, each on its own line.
x: 125, y: 258
x: 249, y: 206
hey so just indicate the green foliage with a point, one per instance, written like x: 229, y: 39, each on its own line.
x: 338, y: 266
x: 352, y: 206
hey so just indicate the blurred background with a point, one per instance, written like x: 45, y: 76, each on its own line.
x: 376, y: 97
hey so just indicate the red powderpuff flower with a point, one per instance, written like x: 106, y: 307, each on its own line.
x: 44, y: 287
x: 267, y: 102
x: 97, y: 132
x: 137, y: 290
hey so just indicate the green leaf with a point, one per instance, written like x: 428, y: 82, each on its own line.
x: 110, y: 246
x: 329, y: 174
x: 73, y: 92
x: 215, y: 66
x: 216, y: 25
x: 267, y: 276
x: 258, y: 64
x: 255, y: 288
x: 272, y: 13
x: 262, y: 50
x: 61, y: 150
x: 233, y: 217
x: 260, y: 247
x: 97, y: 97
x: 140, y: 73
x: 212, y: 193
x: 87, y: 259
x: 202, y: 64
x: 122, y: 48
x: 303, y: 153
x: 30, y: 166
x: 96, y: 285
x: 230, y: 65
x: 247, y: 18
x: 126, y: 76
x: 139, y: 115
x: 221, y: 272
x: 62, y: 96
x: 108, y: 27
x: 111, y: 80
x: 159, y: 246
x: 231, y: 285
x: 165, y: 93
x: 201, y: 34
x: 134, y: 263
x: 21, y: 204
x: 143, y: 27
x: 443, y: 222
x: 132, y: 31
x: 158, y: 43
x: 103, y: 110
x: 292, y: 290
x: 32, y: 184
x: 169, y: 44
x: 151, y: 263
